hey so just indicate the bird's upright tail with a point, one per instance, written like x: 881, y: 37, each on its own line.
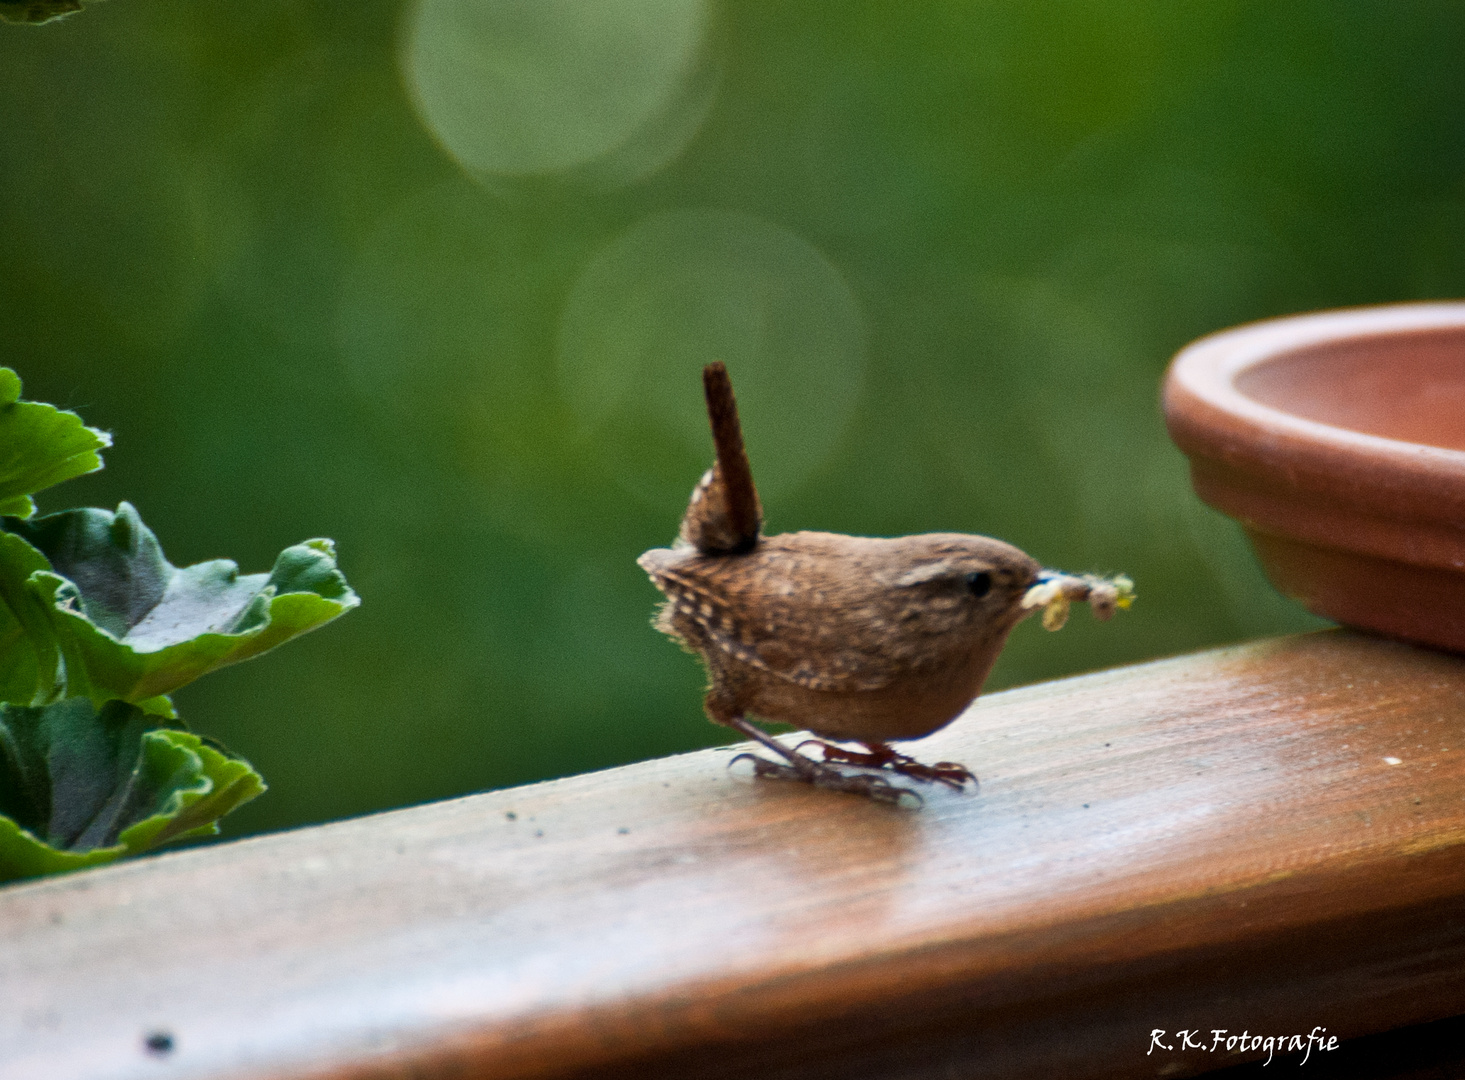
x: 724, y: 516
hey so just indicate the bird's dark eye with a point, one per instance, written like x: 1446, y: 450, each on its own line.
x: 979, y: 582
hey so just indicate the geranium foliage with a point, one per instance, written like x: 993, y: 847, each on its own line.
x: 97, y: 628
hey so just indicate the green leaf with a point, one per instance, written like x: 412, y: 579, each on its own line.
x: 130, y: 625
x: 40, y: 445
x: 36, y: 11
x: 193, y: 812
x: 81, y: 786
x: 30, y: 658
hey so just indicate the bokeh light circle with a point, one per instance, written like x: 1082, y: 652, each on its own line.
x: 523, y: 87
x: 685, y: 287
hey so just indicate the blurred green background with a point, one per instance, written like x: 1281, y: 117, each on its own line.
x: 436, y: 279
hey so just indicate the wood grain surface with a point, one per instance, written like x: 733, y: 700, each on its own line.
x: 1268, y: 838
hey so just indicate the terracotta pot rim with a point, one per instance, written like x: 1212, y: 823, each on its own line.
x: 1362, y: 528
x: 1207, y: 369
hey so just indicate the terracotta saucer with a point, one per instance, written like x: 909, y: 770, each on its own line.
x: 1338, y: 441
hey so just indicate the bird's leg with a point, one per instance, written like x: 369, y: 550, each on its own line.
x: 881, y: 755
x: 809, y: 771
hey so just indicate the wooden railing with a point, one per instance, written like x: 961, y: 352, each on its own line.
x: 1269, y: 839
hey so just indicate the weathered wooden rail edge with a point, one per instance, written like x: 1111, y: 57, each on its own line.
x: 1269, y: 838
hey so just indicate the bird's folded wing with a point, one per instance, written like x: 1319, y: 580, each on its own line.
x: 808, y: 635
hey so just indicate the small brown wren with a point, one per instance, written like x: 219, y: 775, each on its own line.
x: 858, y: 639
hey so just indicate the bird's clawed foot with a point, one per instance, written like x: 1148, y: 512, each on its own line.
x: 808, y: 771
x: 881, y: 756
x: 801, y: 767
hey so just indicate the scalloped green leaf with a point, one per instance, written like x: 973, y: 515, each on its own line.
x: 37, y: 11
x: 194, y: 812
x: 30, y: 659
x: 40, y: 445
x: 130, y: 625
x: 81, y: 786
